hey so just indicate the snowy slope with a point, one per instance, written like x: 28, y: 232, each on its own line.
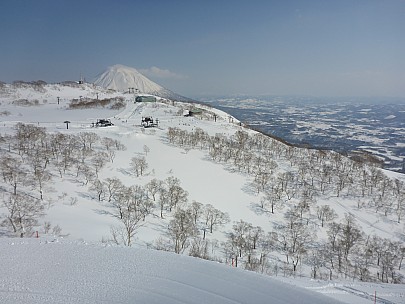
x: 206, y: 181
x: 50, y: 93
x: 120, y: 78
x: 36, y: 271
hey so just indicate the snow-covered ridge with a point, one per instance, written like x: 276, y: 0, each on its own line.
x: 115, y: 80
x: 52, y: 93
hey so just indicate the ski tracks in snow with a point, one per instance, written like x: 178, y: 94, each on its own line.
x: 130, y: 110
x: 362, y: 219
x: 364, y: 294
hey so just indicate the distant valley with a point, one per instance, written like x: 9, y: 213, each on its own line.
x: 342, y: 125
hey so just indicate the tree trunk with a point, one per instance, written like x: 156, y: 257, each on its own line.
x: 12, y: 224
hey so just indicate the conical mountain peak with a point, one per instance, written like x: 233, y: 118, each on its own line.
x: 120, y: 78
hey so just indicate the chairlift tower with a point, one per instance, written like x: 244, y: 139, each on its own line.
x: 81, y: 81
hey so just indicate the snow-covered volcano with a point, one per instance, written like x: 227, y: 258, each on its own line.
x: 121, y: 78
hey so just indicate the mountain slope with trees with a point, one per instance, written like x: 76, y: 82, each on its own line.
x: 201, y: 185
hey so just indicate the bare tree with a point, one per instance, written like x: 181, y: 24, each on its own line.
x: 163, y: 201
x: 23, y: 212
x: 214, y: 217
x: 239, y: 235
x: 87, y: 174
x: 261, y: 180
x: 266, y: 246
x: 196, y: 210
x: 98, y: 161
x: 13, y: 172
x: 272, y: 199
x: 199, y: 248
x: 111, y: 146
x: 181, y: 228
x: 138, y: 165
x: 399, y: 198
x: 131, y: 206
x: 112, y: 186
x: 176, y: 195
x: 140, y: 201
x: 88, y: 139
x: 146, y: 150
x: 98, y: 187
x: 349, y: 234
x: 131, y: 222
x: 325, y: 214
x: 67, y: 157
x: 294, y: 238
x: 315, y: 259
x: 41, y: 177
x: 153, y: 187
x: 362, y: 260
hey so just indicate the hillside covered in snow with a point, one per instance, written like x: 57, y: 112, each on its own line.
x: 187, y: 179
x: 53, y: 271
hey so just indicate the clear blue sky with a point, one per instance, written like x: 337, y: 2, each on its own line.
x: 320, y: 48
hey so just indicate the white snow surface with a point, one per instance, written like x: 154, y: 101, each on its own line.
x: 73, y: 271
x: 38, y: 271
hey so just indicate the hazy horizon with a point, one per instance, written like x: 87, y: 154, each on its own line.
x: 311, y: 48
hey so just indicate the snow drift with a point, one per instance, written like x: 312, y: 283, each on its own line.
x: 40, y: 271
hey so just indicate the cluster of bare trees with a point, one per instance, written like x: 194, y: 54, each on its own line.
x: 139, y: 165
x: 188, y: 224
x: 130, y: 205
x: 22, y: 213
x: 188, y: 229
x: 288, y: 180
x: 37, y: 85
x: 346, y: 252
x: 350, y: 252
x: 247, y: 243
x: 86, y: 103
x: 31, y: 158
x: 305, y: 171
x: 292, y: 180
